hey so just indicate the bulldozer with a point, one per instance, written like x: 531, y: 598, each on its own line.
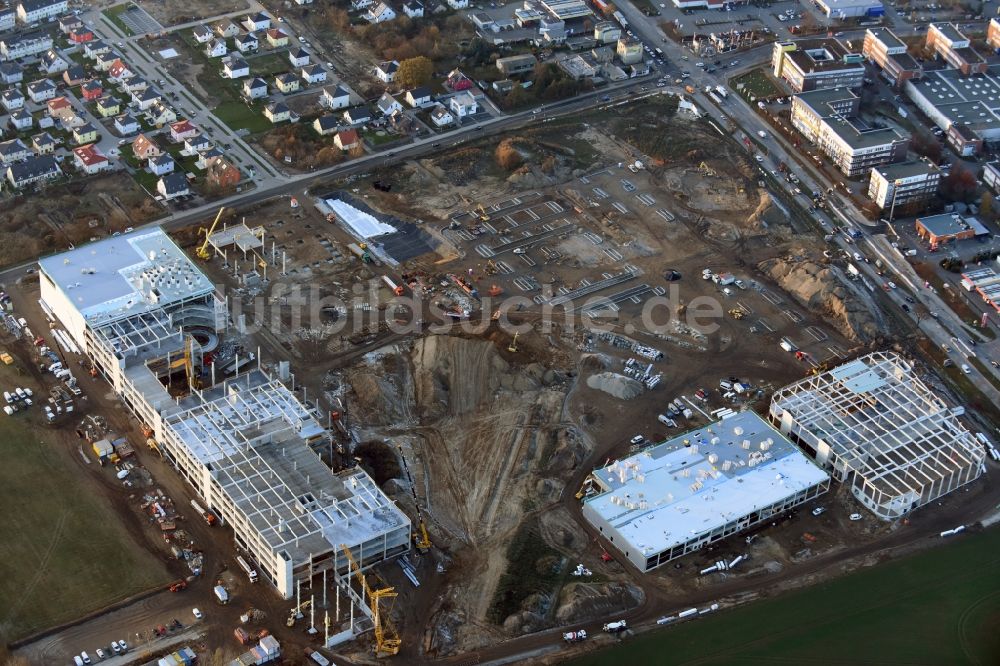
x: 737, y: 313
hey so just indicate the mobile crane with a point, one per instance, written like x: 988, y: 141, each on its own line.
x: 202, y: 251
x: 387, y: 642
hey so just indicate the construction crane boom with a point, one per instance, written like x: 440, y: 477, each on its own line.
x: 387, y: 641
x: 202, y: 251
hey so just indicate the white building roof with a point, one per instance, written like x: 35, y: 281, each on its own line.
x: 125, y: 275
x: 700, y: 480
x: 361, y: 223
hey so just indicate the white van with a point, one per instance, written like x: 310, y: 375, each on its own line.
x: 966, y: 369
x: 77, y: 660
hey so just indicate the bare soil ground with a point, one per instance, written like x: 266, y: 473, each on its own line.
x: 171, y: 12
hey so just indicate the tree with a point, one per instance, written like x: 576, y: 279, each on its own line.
x: 415, y: 72
x: 926, y: 145
x: 986, y: 207
x: 507, y: 155
x: 959, y: 185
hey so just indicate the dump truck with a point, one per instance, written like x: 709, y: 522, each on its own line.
x: 207, y: 515
x: 250, y: 571
x: 575, y: 636
x: 616, y: 626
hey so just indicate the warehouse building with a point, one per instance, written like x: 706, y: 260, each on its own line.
x: 845, y: 9
x: 136, y: 305
x: 966, y: 108
x: 699, y: 487
x: 816, y: 63
x: 877, y: 427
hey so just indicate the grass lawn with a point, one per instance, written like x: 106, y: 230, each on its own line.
x: 113, y: 14
x: 937, y: 607
x: 240, y: 116
x: 62, y: 553
x: 756, y: 83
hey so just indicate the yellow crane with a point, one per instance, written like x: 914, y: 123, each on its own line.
x: 387, y: 641
x: 513, y: 343
x: 483, y: 215
x: 202, y: 251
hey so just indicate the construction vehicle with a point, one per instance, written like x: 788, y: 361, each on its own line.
x: 296, y: 612
x: 361, y: 252
x: 586, y: 488
x: 705, y: 169
x: 387, y: 642
x: 178, y: 586
x: 737, y: 313
x: 421, y: 539
x: 575, y: 636
x: 513, y: 344
x: 494, y: 290
x: 395, y: 288
x: 207, y: 515
x: 483, y: 215
x: 6, y: 358
x: 202, y: 251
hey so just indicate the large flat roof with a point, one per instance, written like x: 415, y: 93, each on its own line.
x: 949, y: 224
x: 887, y: 37
x: 700, y: 480
x: 906, y: 169
x: 125, y: 275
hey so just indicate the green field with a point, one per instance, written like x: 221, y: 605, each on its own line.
x: 114, y: 15
x: 938, y: 607
x: 62, y: 551
x: 756, y: 83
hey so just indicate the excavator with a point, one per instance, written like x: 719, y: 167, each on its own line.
x: 513, y: 344
x: 387, y: 641
x: 421, y: 539
x: 202, y: 251
x: 483, y: 215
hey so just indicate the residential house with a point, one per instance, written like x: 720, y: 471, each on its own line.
x: 91, y: 90
x: 386, y: 71
x: 108, y: 106
x: 69, y: 23
x: 463, y: 104
x: 144, y: 99
x: 85, y: 134
x: 388, y: 105
x: 11, y: 72
x: 172, y: 185
x: 457, y: 81
x: 335, y: 97
x: 196, y: 144
x: 12, y: 99
x: 276, y: 38
x: 347, y: 139
x: 361, y: 4
x: 53, y: 63
x: 458, y: 4
x: 143, y: 148
x: 90, y: 160
x: 23, y: 45
x: 21, y: 120
x: 60, y: 108
x: 298, y: 57
x: 206, y: 157
x: 34, y: 11
x: 287, y: 82
x: 41, y: 91
x: 222, y: 174
x: 43, y: 144
x: 255, y: 88
x: 325, y: 125
x: 413, y: 9
x: 357, y: 116
x: 202, y: 34
x: 247, y: 43
x: 74, y: 75
x: 133, y: 84
x: 126, y: 124
x: 13, y: 151
x: 161, y: 164
x: 160, y: 114
x: 225, y: 29
x: 216, y: 48
x: 313, y: 74
x: 119, y: 71
x: 81, y: 36
x: 182, y: 130
x: 235, y: 67
x: 260, y: 21
x: 303, y: 2
x: 380, y: 13
x: 419, y: 97
x: 104, y: 61
x: 33, y: 170
x: 7, y: 19
x: 95, y: 48
x: 441, y: 116
x: 277, y: 112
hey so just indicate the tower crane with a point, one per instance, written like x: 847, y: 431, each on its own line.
x: 202, y: 250
x: 387, y: 640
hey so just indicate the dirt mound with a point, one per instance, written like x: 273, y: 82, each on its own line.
x: 585, y: 601
x: 620, y: 386
x: 820, y: 289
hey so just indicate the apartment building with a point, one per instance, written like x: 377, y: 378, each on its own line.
x: 883, y: 48
x: 948, y: 43
x: 813, y: 64
x: 904, y: 186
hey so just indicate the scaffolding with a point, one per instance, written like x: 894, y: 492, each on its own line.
x: 876, y: 425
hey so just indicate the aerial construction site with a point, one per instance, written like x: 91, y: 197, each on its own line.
x: 508, y: 401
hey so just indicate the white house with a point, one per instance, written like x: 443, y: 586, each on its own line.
x: 11, y: 72
x: 386, y: 71
x: 298, y: 57
x: 413, y: 9
x: 41, y: 90
x: 202, y: 34
x: 335, y: 97
x: 161, y: 164
x: 7, y: 18
x: 216, y: 49
x: 418, y: 97
x: 247, y: 43
x: 463, y: 104
x: 53, y: 63
x: 226, y: 28
x: 235, y: 67
x: 196, y: 144
x: 325, y: 125
x: 441, y: 116
x: 95, y: 48
x: 22, y: 120
x: 22, y: 46
x: 14, y: 150
x: 361, y: 4
x: 313, y: 74
x: 160, y: 114
x: 255, y: 88
x: 145, y: 98
x: 259, y: 21
x: 182, y: 130
x: 380, y: 13
x: 12, y: 99
x: 458, y: 4
x: 90, y: 160
x: 172, y: 185
x: 388, y: 105
x: 33, y: 11
x: 33, y: 170
x: 126, y: 124
x: 357, y: 116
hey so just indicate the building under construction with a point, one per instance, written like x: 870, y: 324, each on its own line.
x: 144, y: 314
x: 876, y: 426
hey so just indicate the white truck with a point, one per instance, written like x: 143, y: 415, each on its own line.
x: 221, y: 594
x: 575, y: 636
x: 251, y: 572
x: 616, y: 627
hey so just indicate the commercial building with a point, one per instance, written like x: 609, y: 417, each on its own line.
x: 812, y: 64
x: 699, y: 487
x: 966, y: 108
x: 629, y: 50
x: 516, y: 64
x: 883, y: 48
x: 948, y: 227
x: 844, y: 9
x: 564, y: 10
x: 904, y: 186
x: 985, y: 282
x: 876, y: 426
x: 136, y: 304
x: 949, y: 44
x: 828, y: 118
